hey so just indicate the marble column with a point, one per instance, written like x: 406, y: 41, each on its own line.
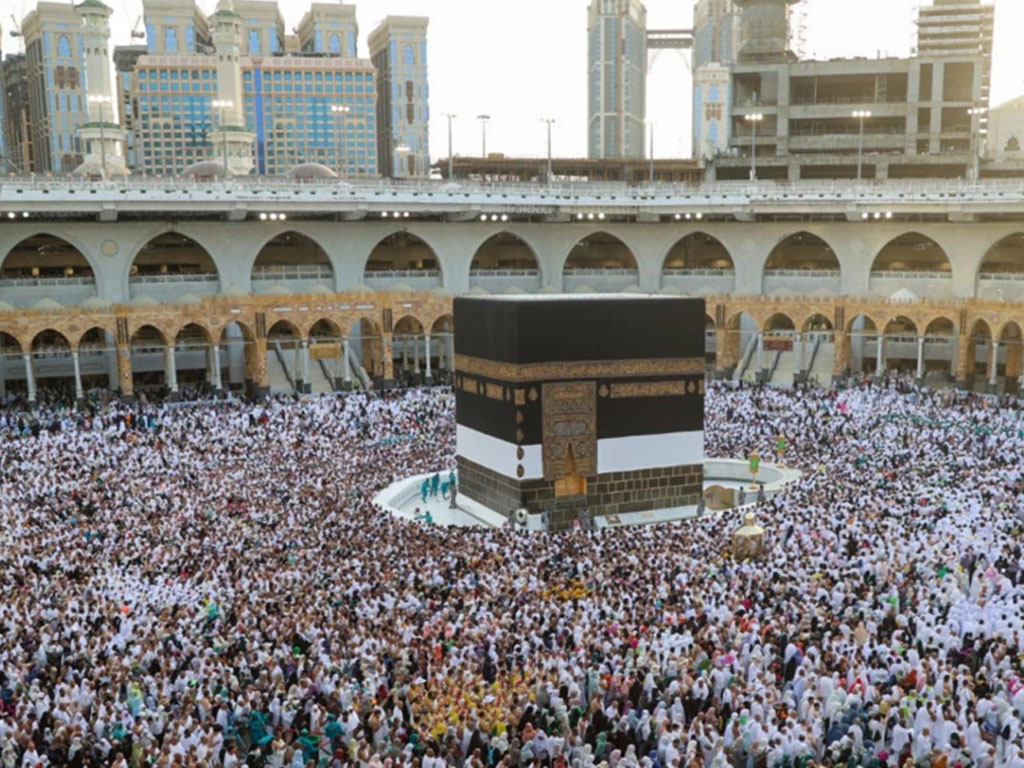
x: 79, y: 392
x: 428, y: 377
x: 30, y: 376
x: 920, y: 358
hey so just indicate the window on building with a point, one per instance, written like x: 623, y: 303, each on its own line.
x: 334, y: 45
x: 254, y: 41
x: 1013, y: 145
x: 190, y: 38
x: 171, y: 39
x: 275, y: 40
x: 63, y: 46
x: 409, y: 56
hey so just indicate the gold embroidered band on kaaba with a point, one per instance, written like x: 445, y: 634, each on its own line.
x: 578, y: 369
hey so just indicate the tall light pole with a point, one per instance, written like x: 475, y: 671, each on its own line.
x: 484, y: 119
x: 975, y: 112
x: 102, y: 100
x: 550, y: 121
x: 451, y: 161
x: 861, y: 115
x: 753, y: 118
x: 222, y: 105
x: 340, y: 112
x: 651, y: 168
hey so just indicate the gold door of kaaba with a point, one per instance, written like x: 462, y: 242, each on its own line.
x: 569, y: 434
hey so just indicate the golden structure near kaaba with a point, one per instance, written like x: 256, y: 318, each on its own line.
x: 748, y: 540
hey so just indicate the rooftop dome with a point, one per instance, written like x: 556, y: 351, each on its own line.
x: 320, y: 288
x: 278, y: 290
x: 5, y: 307
x: 189, y: 298
x: 312, y: 171
x: 476, y: 290
x: 401, y: 288
x: 362, y: 288
x: 48, y: 304
x: 142, y: 300
x: 205, y: 169
x: 95, y: 302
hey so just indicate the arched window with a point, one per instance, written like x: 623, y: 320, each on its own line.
x: 410, y: 56
x: 63, y: 46
x: 1013, y: 145
x: 334, y: 44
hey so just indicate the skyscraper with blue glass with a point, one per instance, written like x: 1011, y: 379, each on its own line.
x: 55, y: 72
x: 305, y: 98
x: 398, y: 48
x: 617, y: 78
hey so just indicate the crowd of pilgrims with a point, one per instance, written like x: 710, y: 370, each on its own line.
x: 210, y: 584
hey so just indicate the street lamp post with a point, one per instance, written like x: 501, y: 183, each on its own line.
x: 340, y: 139
x: 550, y: 121
x: 753, y: 118
x: 861, y: 115
x: 451, y: 161
x: 221, y: 105
x: 484, y: 119
x: 102, y: 100
x: 975, y: 112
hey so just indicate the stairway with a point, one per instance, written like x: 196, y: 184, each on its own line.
x: 320, y: 384
x: 782, y: 376
x: 278, y: 377
x: 824, y: 362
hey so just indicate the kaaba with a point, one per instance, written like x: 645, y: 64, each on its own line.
x: 573, y: 403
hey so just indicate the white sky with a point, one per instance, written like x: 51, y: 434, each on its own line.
x: 521, y: 60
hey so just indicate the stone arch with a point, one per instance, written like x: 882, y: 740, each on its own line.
x: 979, y: 335
x: 46, y: 256
x: 148, y: 345
x: 174, y: 259
x: 733, y: 339
x: 600, y: 261
x: 367, y: 343
x: 940, y: 326
x: 403, y: 257
x: 901, y: 325
x: 698, y: 257
x: 50, y: 340
x: 802, y: 251
x: 505, y: 260
x: 912, y: 252
x: 284, y: 328
x: 600, y: 250
x: 324, y: 329
x: 408, y: 349
x: 779, y: 321
x: 97, y: 358
x: 863, y: 323
x: 238, y: 355
x: 292, y: 260
x: 1005, y: 257
x: 816, y: 322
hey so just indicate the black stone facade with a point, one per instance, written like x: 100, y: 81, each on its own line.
x: 612, y: 493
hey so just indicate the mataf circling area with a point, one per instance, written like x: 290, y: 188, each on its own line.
x: 211, y: 584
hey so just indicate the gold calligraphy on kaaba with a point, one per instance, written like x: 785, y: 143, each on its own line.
x: 650, y: 389
x: 578, y: 369
x: 569, y: 424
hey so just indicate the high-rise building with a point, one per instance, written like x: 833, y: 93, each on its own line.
x: 55, y: 79
x: 101, y: 136
x: 764, y: 31
x: 261, y: 27
x: 17, y: 126
x: 5, y: 163
x: 174, y: 27
x: 617, y: 78
x: 716, y: 32
x: 331, y: 29
x: 398, y: 49
x: 710, y: 111
x: 292, y: 108
x: 959, y: 29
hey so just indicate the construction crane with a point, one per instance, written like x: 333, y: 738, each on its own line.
x: 137, y: 33
x: 15, y: 28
